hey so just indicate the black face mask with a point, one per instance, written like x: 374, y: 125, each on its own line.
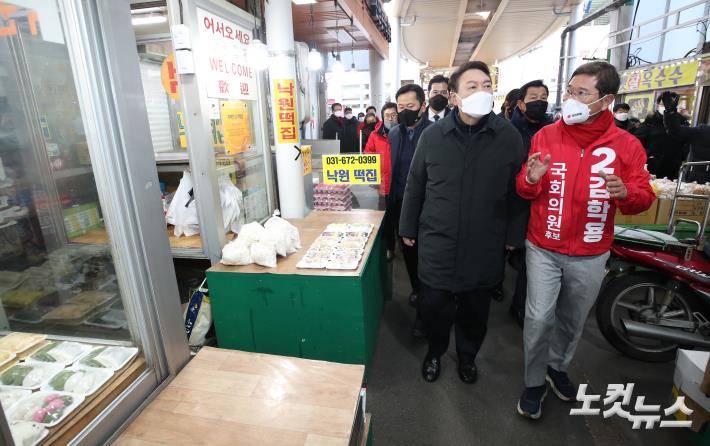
x: 536, y: 110
x: 438, y: 103
x: 371, y: 125
x: 408, y: 117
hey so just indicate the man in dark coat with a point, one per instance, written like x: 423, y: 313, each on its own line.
x: 665, y: 152
x: 403, y: 141
x: 438, y: 93
x: 462, y: 212
x: 529, y: 117
x: 698, y: 137
x: 333, y: 126
x: 349, y: 143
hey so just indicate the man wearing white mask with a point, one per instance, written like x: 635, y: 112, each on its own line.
x: 621, y: 116
x: 461, y: 209
x: 580, y: 171
x: 334, y: 125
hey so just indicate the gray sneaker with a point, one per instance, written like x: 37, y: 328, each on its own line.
x: 530, y: 403
x: 561, y: 385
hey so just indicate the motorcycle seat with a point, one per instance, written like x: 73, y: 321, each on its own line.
x: 644, y: 236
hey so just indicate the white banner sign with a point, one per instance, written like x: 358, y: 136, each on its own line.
x: 229, y: 75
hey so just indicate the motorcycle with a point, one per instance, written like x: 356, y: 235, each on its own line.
x: 656, y: 295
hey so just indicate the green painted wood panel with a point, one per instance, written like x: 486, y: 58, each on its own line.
x: 332, y: 318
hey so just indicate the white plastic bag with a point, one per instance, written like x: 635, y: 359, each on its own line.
x: 285, y: 231
x: 182, y: 212
x: 252, y: 233
x: 231, y: 200
x: 263, y: 254
x: 275, y: 239
x: 236, y: 253
x: 295, y: 239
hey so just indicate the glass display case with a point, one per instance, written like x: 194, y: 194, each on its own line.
x: 84, y: 260
x: 226, y: 165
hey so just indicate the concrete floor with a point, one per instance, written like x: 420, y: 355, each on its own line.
x: 408, y: 411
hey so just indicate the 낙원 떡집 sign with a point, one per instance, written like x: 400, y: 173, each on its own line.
x: 286, y: 113
x: 351, y: 169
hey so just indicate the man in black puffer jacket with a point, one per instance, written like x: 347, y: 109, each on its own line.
x: 665, y: 152
x: 698, y: 137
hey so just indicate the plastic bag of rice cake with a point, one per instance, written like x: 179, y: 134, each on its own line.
x: 236, y: 253
x: 264, y: 254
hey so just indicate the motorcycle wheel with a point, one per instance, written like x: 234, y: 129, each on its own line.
x: 635, y: 296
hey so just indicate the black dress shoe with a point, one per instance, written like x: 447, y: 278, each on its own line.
x: 468, y: 372
x: 431, y: 368
x: 518, y: 315
x: 413, y: 300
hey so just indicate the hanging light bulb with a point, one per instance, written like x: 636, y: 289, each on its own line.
x: 258, y: 54
x: 315, y: 60
x: 338, y: 67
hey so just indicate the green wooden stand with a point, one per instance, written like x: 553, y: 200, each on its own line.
x: 331, y: 318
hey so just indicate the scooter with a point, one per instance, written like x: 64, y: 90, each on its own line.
x: 656, y: 295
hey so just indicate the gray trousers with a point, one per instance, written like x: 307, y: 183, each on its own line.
x: 561, y: 292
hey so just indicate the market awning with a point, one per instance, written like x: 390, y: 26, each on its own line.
x: 443, y: 33
x: 520, y: 24
x: 338, y: 25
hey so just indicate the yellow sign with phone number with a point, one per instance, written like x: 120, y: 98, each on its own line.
x: 351, y: 169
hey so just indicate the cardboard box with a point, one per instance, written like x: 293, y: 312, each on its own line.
x: 690, y: 370
x: 689, y: 209
x: 647, y: 217
x: 699, y: 417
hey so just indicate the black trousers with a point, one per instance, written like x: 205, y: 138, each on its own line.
x: 517, y: 261
x: 410, y: 254
x: 468, y: 310
x: 388, y: 229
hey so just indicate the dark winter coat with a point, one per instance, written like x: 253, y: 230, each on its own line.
x: 526, y: 128
x: 698, y: 138
x: 333, y: 128
x: 396, y: 136
x: 461, y: 205
x: 665, y: 153
x: 351, y: 137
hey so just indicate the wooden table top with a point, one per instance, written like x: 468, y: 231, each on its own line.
x: 229, y: 397
x: 310, y: 228
x: 100, y: 237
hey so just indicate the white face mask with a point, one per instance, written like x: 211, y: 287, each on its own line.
x: 661, y: 108
x: 575, y: 112
x: 622, y: 116
x: 349, y: 116
x: 478, y: 104
x: 339, y: 113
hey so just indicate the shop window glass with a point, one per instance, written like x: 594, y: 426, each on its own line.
x: 681, y: 42
x: 646, y: 52
x: 57, y: 275
x: 61, y: 302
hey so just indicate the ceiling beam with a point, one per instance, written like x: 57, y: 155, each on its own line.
x: 457, y: 30
x: 489, y: 29
x: 361, y: 18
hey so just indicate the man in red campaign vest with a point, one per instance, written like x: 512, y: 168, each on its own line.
x: 579, y: 172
